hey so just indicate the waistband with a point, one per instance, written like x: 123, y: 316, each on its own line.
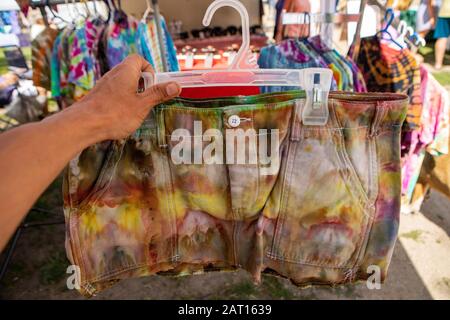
x: 280, y: 111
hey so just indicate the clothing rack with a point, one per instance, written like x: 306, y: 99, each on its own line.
x: 327, y: 17
x: 302, y: 17
x: 41, y: 4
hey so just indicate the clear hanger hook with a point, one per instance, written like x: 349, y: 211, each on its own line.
x: 147, y: 11
x: 239, y: 60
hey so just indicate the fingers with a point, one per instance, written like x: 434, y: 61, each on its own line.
x: 138, y: 63
x: 160, y: 93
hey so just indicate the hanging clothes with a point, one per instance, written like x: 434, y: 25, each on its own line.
x: 341, y: 66
x: 432, y: 136
x: 149, y: 47
x: 289, y: 54
x: 312, y: 53
x: 60, y: 88
x: 81, y: 53
x: 41, y: 54
x: 387, y: 69
x: 120, y: 38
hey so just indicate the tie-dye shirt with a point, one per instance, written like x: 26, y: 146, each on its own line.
x: 120, y: 39
x: 432, y: 136
x: 41, y: 53
x: 148, y: 45
x: 84, y: 69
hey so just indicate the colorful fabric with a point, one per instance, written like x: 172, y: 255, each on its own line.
x: 323, y: 212
x: 289, y: 54
x: 59, y: 67
x: 84, y: 68
x: 41, y: 53
x: 312, y: 52
x: 142, y: 41
x: 81, y: 66
x: 389, y: 70
x: 149, y: 45
x: 341, y: 70
x: 432, y: 136
x: 171, y: 50
x: 94, y: 29
x: 120, y: 40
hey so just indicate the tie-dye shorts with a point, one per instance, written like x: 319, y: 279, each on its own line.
x: 324, y: 211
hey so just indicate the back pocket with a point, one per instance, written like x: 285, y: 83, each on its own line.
x: 322, y: 220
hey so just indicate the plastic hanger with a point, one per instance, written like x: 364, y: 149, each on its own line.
x: 403, y: 30
x: 86, y: 7
x: 389, y: 17
x: 315, y: 81
x: 69, y: 10
x: 148, y: 11
x: 80, y: 16
x: 106, y: 3
x: 57, y: 16
x: 413, y: 38
x: 416, y: 39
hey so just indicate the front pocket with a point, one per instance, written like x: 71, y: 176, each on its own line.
x: 127, y: 222
x: 322, y: 218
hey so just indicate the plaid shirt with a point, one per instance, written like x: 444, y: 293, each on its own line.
x: 388, y: 70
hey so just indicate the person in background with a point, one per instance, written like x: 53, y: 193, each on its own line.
x: 292, y: 31
x: 441, y: 33
x: 426, y: 16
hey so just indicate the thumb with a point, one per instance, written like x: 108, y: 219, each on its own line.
x: 160, y: 93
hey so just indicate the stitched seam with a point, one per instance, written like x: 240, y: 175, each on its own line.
x: 295, y: 127
x: 374, y: 174
x: 169, y: 183
x: 285, y: 196
x: 82, y: 253
x: 212, y: 136
x: 278, y: 257
x: 233, y: 106
x: 343, y: 157
x: 112, y: 172
x: 101, y: 176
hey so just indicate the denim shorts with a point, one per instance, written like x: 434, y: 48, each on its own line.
x: 325, y: 210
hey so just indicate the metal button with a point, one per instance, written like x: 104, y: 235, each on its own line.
x: 234, y: 121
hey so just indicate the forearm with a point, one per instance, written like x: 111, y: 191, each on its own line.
x: 33, y: 155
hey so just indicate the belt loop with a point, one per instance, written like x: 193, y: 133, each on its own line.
x: 380, y: 112
x: 296, y: 123
x: 161, y: 128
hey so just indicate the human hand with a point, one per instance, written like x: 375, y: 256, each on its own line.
x: 116, y: 106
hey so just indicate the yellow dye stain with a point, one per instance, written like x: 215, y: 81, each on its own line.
x: 169, y: 202
x: 214, y: 204
x: 90, y: 223
x: 308, y: 148
x: 129, y: 217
